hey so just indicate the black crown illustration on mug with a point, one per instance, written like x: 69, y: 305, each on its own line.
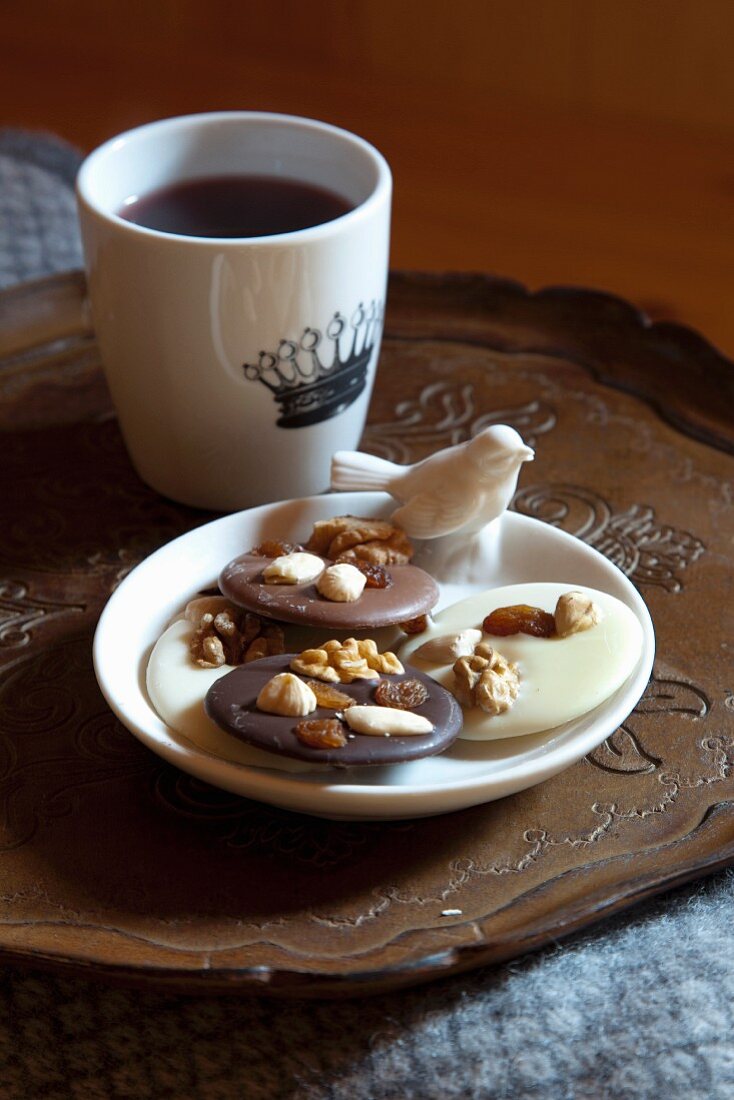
x: 310, y: 385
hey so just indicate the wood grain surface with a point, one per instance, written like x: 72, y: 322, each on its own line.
x: 115, y: 864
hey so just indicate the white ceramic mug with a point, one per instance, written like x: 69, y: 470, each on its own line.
x: 237, y: 365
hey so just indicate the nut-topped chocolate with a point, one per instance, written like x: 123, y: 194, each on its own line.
x: 412, y: 592
x: 353, y: 574
x: 517, y: 667
x: 325, y: 734
x: 409, y: 593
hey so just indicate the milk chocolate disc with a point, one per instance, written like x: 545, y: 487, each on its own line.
x: 230, y: 702
x: 412, y: 593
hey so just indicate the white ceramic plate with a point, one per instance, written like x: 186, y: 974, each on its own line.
x: 518, y: 549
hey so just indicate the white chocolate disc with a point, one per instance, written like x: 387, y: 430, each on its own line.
x: 177, y: 688
x: 560, y: 678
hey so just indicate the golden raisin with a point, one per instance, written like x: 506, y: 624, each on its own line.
x: 275, y: 548
x: 415, y: 626
x: 322, y: 733
x: 328, y: 696
x: 520, y: 619
x: 377, y: 575
x: 403, y: 695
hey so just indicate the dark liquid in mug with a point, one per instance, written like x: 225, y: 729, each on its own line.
x: 235, y: 206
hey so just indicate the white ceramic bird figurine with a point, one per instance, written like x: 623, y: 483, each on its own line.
x: 456, y: 491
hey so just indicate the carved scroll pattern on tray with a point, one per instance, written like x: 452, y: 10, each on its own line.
x: 21, y: 612
x: 649, y: 552
x: 446, y: 413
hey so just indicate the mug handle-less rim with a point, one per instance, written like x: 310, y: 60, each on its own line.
x: 380, y: 193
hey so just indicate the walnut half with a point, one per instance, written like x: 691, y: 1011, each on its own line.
x: 353, y: 538
x: 486, y: 680
x: 226, y: 635
x: 467, y: 673
x: 575, y: 612
x: 343, y: 662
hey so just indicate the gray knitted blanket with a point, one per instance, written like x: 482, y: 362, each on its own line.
x: 640, y: 1009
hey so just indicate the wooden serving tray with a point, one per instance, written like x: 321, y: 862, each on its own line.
x: 115, y: 864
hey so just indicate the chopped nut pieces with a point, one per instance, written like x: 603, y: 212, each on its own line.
x: 350, y: 537
x: 322, y: 733
x: 275, y: 548
x: 341, y: 583
x: 298, y: 568
x: 286, y: 694
x: 520, y: 619
x: 257, y: 650
x: 498, y: 687
x: 315, y: 662
x: 575, y: 612
x: 328, y: 696
x: 486, y: 680
x: 449, y: 647
x: 386, y: 721
x: 467, y: 671
x: 401, y: 694
x: 343, y: 662
x: 376, y: 576
x: 227, y: 635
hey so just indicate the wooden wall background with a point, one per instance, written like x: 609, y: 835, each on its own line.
x: 553, y: 141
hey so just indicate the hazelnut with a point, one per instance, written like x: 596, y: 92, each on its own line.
x: 575, y: 611
x: 342, y: 583
x: 285, y: 694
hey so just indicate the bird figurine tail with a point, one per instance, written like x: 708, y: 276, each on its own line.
x: 354, y: 470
